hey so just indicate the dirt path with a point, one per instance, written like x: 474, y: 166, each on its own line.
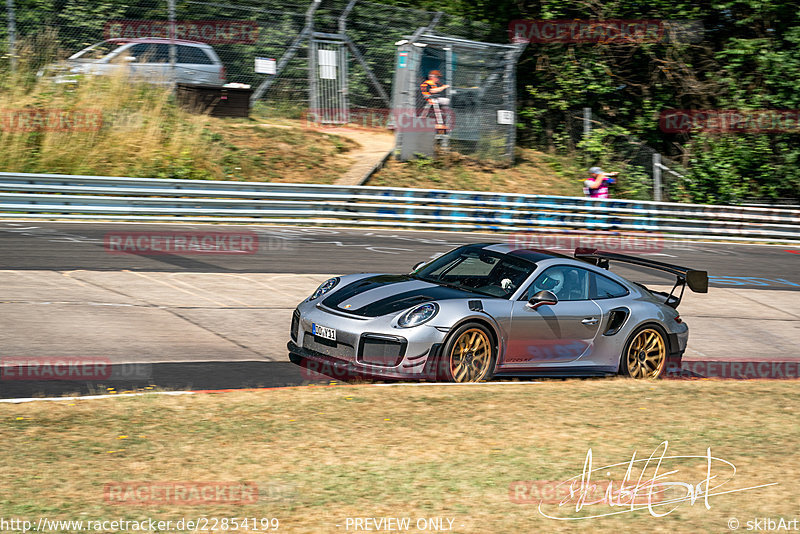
x: 373, y: 146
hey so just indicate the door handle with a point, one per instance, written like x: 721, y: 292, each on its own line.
x: 590, y: 320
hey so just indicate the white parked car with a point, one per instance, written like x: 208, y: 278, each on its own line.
x: 146, y: 59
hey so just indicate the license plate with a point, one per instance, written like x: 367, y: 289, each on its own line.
x: 323, y: 331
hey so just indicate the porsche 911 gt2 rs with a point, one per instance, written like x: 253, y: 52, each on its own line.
x: 486, y: 310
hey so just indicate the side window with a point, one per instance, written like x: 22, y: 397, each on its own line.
x: 565, y: 281
x: 194, y: 55
x: 150, y: 53
x: 142, y: 52
x: 161, y: 55
x: 606, y: 288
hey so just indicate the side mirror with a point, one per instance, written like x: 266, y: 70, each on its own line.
x: 542, y: 298
x: 417, y: 266
x: 129, y: 58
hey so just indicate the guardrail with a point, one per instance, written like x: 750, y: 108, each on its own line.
x: 54, y: 196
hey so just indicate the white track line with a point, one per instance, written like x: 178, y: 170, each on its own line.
x: 458, y: 384
x: 92, y: 397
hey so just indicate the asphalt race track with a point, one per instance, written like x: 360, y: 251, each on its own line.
x: 80, y: 246
x: 49, y: 251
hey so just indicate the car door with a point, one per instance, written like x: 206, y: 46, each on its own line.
x: 194, y: 66
x: 150, y: 63
x: 557, y: 333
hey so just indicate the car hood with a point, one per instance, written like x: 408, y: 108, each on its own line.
x: 390, y: 293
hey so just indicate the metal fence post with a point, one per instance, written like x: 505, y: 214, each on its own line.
x: 171, y: 9
x: 657, y: 177
x: 12, y: 34
x: 587, y: 121
x: 510, y: 96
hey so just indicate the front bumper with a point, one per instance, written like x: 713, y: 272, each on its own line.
x: 364, y: 346
x: 318, y: 366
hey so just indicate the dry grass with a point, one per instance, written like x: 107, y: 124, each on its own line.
x: 428, y: 451
x: 533, y: 173
x: 145, y: 134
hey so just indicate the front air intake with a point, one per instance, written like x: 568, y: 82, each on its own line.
x: 378, y: 349
x: 295, y: 325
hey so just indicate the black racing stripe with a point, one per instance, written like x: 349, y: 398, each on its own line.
x: 360, y: 286
x: 405, y: 300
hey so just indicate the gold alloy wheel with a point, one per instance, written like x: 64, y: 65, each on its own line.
x: 471, y: 356
x: 647, y: 354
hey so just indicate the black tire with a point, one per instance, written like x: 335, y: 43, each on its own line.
x: 467, y: 363
x: 645, y: 353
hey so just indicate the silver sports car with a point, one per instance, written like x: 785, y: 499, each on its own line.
x: 487, y: 310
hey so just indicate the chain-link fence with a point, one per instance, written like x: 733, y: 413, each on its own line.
x: 645, y: 172
x: 473, y: 114
x: 281, y: 36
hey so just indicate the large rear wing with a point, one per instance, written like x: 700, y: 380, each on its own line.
x: 696, y: 280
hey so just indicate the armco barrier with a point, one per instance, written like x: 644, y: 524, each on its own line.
x: 55, y: 196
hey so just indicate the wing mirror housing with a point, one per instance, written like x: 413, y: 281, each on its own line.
x: 542, y: 298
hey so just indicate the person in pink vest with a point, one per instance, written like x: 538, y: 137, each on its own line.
x: 597, y: 185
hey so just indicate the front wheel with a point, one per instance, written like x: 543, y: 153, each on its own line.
x: 469, y: 355
x: 645, y: 354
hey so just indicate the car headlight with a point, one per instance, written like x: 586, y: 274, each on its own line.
x: 324, y: 287
x: 417, y: 316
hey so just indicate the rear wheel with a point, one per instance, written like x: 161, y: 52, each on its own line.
x: 645, y: 354
x: 469, y: 355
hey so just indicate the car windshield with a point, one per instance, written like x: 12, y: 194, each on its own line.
x: 96, y: 51
x: 474, y: 269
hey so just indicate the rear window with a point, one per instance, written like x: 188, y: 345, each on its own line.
x: 606, y: 288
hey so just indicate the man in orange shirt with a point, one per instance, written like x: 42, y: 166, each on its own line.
x: 430, y: 88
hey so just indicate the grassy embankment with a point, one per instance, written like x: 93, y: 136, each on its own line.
x: 533, y: 172
x: 321, y: 455
x: 142, y: 133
